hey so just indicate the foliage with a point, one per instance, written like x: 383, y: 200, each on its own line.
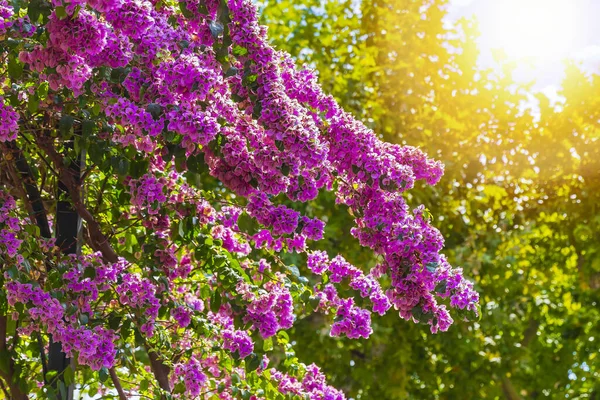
x: 160, y: 175
x: 517, y: 203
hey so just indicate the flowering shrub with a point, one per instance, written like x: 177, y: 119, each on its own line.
x: 200, y: 142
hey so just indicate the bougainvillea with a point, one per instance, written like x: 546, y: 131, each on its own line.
x: 185, y: 143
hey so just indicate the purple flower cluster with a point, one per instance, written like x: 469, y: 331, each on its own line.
x: 140, y: 294
x: 350, y: 320
x: 193, y: 377
x: 8, y: 122
x: 282, y: 221
x: 9, y: 226
x: 147, y: 193
x: 313, y: 385
x: 182, y: 316
x: 84, y: 35
x: 19, y: 27
x: 271, y: 310
x: 231, y: 242
x: 93, y: 347
x: 135, y: 118
x: 237, y: 341
x: 6, y: 12
x: 67, y: 58
x: 373, y: 175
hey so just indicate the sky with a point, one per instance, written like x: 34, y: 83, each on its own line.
x: 543, y: 32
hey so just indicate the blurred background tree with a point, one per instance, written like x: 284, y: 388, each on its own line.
x: 517, y: 203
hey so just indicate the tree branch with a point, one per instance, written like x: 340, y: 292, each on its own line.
x: 510, y: 393
x: 160, y: 370
x: 35, y: 203
x: 117, y: 383
x: 95, y: 233
x: 4, y: 390
x: 17, y: 182
x: 8, y: 375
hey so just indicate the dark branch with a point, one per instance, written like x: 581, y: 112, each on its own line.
x: 117, y: 383
x: 33, y: 193
x: 71, y: 184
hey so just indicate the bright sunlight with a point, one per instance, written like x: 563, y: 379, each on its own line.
x: 533, y: 29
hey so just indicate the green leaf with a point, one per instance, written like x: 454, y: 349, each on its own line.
x: 215, y: 302
x: 268, y: 344
x: 232, y: 71
x: 283, y: 337
x: 118, y: 75
x: 69, y: 375
x: 197, y: 164
x: 84, y: 318
x: 96, y: 153
x: 89, y: 272
x: 120, y: 165
x: 33, y: 10
x: 314, y: 302
x: 179, y: 388
x: 42, y: 90
x: 93, y: 390
x: 144, y: 385
x: 249, y: 79
x: 219, y: 260
x: 33, y: 104
x: 87, y: 128
x: 237, y: 98
x: 223, y: 12
x: 126, y: 329
x: 13, y: 272
x: 294, y: 270
x: 96, y: 109
x: 63, y: 390
x: 61, y: 13
x: 76, y: 12
x: 205, y: 292
x: 216, y: 29
x: 180, y: 164
x: 15, y: 68
x: 441, y: 287
x: 247, y: 224
x: 114, y: 322
x: 239, y: 50
x: 184, y: 10
x: 65, y: 125
x: 431, y: 266
x: 155, y: 110
x: 103, y: 374
x: 138, y: 168
x: 50, y: 375
x: 257, y: 110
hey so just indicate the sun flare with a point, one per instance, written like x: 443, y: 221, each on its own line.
x: 536, y: 29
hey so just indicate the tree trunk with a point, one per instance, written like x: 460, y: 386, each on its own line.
x: 68, y: 227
